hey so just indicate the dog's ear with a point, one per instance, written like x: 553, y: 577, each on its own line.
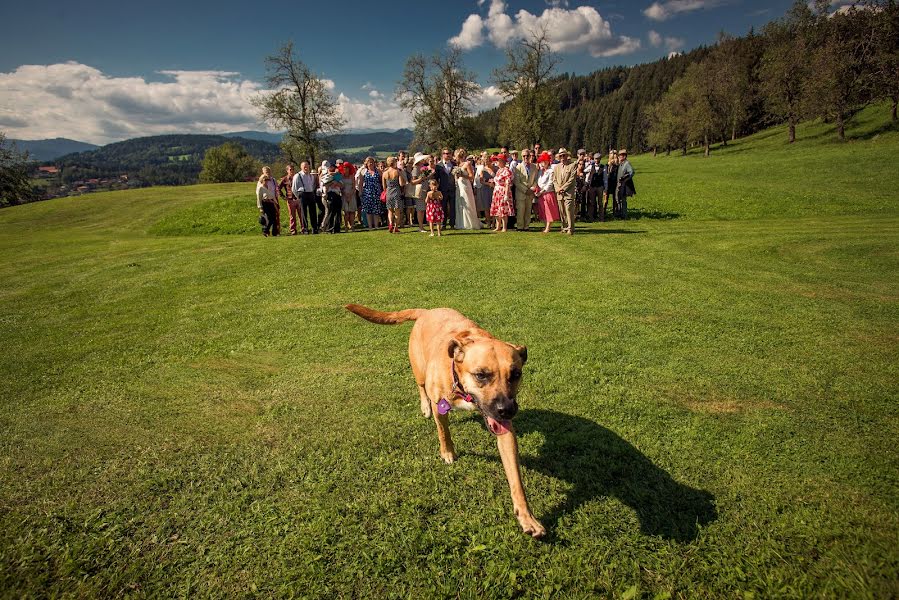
x: 522, y: 352
x: 456, y: 347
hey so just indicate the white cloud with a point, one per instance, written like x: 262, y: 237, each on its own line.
x: 656, y: 40
x: 490, y: 98
x: 577, y: 30
x: 78, y: 101
x: 662, y: 11
x: 377, y: 112
x: 472, y: 34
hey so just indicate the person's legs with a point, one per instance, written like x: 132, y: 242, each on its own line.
x: 622, y: 203
x: 451, y: 206
x: 563, y: 216
x: 591, y: 203
x: 602, y: 208
x: 571, y: 212
x: 293, y: 211
x: 309, y: 211
x: 523, y: 210
x: 269, y: 209
x: 421, y: 219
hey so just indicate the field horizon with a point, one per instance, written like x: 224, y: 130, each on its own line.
x: 708, y: 409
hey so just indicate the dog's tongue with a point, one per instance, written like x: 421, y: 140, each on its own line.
x: 498, y: 427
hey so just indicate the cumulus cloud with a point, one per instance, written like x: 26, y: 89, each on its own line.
x: 662, y: 11
x: 568, y: 30
x: 78, y: 101
x: 656, y: 40
x: 472, y: 34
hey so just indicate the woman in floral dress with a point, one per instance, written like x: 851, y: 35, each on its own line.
x: 502, y: 207
x: 370, y: 192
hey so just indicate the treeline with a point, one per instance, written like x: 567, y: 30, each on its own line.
x: 157, y: 160
x: 813, y: 63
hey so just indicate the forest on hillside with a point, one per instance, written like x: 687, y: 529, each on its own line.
x: 814, y: 63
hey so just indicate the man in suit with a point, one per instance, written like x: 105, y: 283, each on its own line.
x: 625, y: 183
x: 525, y: 177
x: 446, y: 183
x: 565, y: 182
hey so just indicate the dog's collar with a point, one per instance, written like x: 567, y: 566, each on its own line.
x: 458, y: 393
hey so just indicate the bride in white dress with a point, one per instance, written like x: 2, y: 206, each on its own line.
x: 466, y: 206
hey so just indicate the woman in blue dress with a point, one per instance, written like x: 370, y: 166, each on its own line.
x: 370, y: 193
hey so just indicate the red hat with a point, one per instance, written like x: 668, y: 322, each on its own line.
x: 545, y: 157
x: 502, y: 157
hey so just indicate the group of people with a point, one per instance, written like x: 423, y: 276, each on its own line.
x: 456, y: 190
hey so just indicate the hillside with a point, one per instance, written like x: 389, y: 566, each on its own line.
x: 157, y: 160
x: 47, y: 150
x: 707, y: 409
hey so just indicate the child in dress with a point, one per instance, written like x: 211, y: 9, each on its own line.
x: 435, y: 207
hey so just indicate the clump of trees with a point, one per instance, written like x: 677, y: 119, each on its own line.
x: 15, y: 178
x: 228, y: 162
x: 812, y: 64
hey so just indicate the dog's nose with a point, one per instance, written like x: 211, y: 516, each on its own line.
x: 508, y: 409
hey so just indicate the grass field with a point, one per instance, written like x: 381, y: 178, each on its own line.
x: 708, y: 411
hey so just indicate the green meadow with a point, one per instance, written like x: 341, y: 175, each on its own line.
x: 709, y: 409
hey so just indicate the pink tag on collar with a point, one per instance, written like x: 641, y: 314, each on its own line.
x: 443, y: 406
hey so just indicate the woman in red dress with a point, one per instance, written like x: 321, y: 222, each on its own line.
x: 502, y: 207
x: 547, y: 207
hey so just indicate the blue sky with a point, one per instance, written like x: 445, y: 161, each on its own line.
x: 102, y: 71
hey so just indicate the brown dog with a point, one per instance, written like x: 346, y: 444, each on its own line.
x: 459, y: 365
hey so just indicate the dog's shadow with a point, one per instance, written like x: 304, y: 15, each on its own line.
x: 598, y: 463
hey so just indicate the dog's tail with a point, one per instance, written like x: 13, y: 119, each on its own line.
x: 385, y: 318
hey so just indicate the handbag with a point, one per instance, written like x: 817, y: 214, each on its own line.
x: 384, y: 196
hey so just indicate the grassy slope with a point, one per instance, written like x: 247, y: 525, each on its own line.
x: 709, y: 407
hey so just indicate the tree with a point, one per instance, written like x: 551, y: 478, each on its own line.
x: 886, y: 52
x: 783, y: 68
x: 439, y: 93
x: 840, y: 65
x: 526, y: 81
x: 300, y: 102
x: 15, y: 178
x: 228, y: 162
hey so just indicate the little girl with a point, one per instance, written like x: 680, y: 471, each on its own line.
x: 435, y: 207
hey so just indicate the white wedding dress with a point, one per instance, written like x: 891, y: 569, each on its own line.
x: 466, y: 206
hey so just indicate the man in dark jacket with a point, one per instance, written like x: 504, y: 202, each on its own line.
x: 625, y: 183
x: 447, y: 186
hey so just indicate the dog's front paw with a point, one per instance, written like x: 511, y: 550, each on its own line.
x: 449, y: 457
x: 531, y: 526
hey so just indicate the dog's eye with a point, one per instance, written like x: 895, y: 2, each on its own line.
x: 515, y: 375
x: 483, y: 376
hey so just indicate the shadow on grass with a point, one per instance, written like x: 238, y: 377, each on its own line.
x: 598, y: 463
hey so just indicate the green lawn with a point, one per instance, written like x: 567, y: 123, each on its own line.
x: 708, y: 411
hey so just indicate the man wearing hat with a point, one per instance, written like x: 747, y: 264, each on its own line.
x: 625, y: 183
x: 565, y: 182
x: 525, y: 174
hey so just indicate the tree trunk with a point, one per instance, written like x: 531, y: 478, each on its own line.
x: 792, y: 130
x: 705, y: 141
x: 684, y: 152
x: 668, y: 151
x: 653, y: 151
x: 893, y: 111
x: 733, y: 133
x: 841, y: 128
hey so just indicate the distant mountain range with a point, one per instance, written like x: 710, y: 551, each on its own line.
x: 44, y: 150
x: 359, y: 140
